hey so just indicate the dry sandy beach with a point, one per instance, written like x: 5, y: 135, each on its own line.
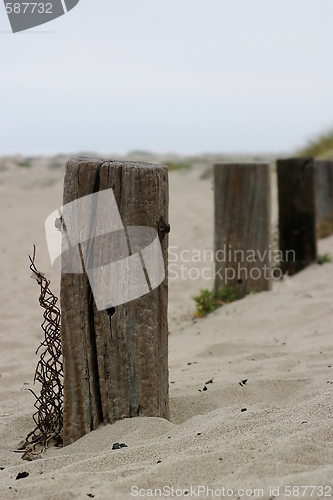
x: 280, y: 341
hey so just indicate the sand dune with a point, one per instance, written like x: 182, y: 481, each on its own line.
x: 280, y: 341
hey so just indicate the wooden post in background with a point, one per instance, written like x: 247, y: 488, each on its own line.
x: 324, y: 197
x: 115, y: 368
x: 297, y: 213
x: 242, y: 224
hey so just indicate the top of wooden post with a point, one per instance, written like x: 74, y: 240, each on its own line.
x: 102, y: 161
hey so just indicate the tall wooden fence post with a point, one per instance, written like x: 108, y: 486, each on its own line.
x: 115, y: 360
x: 297, y: 213
x: 324, y: 197
x: 242, y: 226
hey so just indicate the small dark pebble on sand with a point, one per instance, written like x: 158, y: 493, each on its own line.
x: 198, y: 434
x: 2, y: 468
x: 243, y: 409
x: 205, y: 388
x: 159, y: 461
x: 90, y: 495
x: 117, y: 446
x: 244, y: 381
x: 22, y: 475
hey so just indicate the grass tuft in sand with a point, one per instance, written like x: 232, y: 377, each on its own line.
x: 210, y: 300
x: 322, y: 259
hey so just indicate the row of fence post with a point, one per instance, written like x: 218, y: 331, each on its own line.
x: 117, y: 367
x: 244, y: 256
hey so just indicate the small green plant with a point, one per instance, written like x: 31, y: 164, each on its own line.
x: 320, y: 146
x: 209, y: 300
x: 177, y: 165
x: 255, y: 290
x: 24, y: 164
x: 324, y: 258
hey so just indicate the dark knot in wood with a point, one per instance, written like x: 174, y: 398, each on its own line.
x: 58, y: 223
x: 163, y: 229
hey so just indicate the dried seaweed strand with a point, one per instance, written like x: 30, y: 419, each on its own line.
x: 49, y: 371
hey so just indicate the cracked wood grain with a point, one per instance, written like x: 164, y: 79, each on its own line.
x: 115, y: 367
x: 242, y: 223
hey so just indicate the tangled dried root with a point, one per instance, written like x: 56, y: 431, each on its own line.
x: 49, y: 372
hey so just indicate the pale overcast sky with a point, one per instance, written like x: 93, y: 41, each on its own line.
x: 187, y: 76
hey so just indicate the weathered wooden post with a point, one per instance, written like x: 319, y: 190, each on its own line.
x: 242, y: 226
x: 324, y: 197
x: 297, y: 213
x: 115, y: 360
